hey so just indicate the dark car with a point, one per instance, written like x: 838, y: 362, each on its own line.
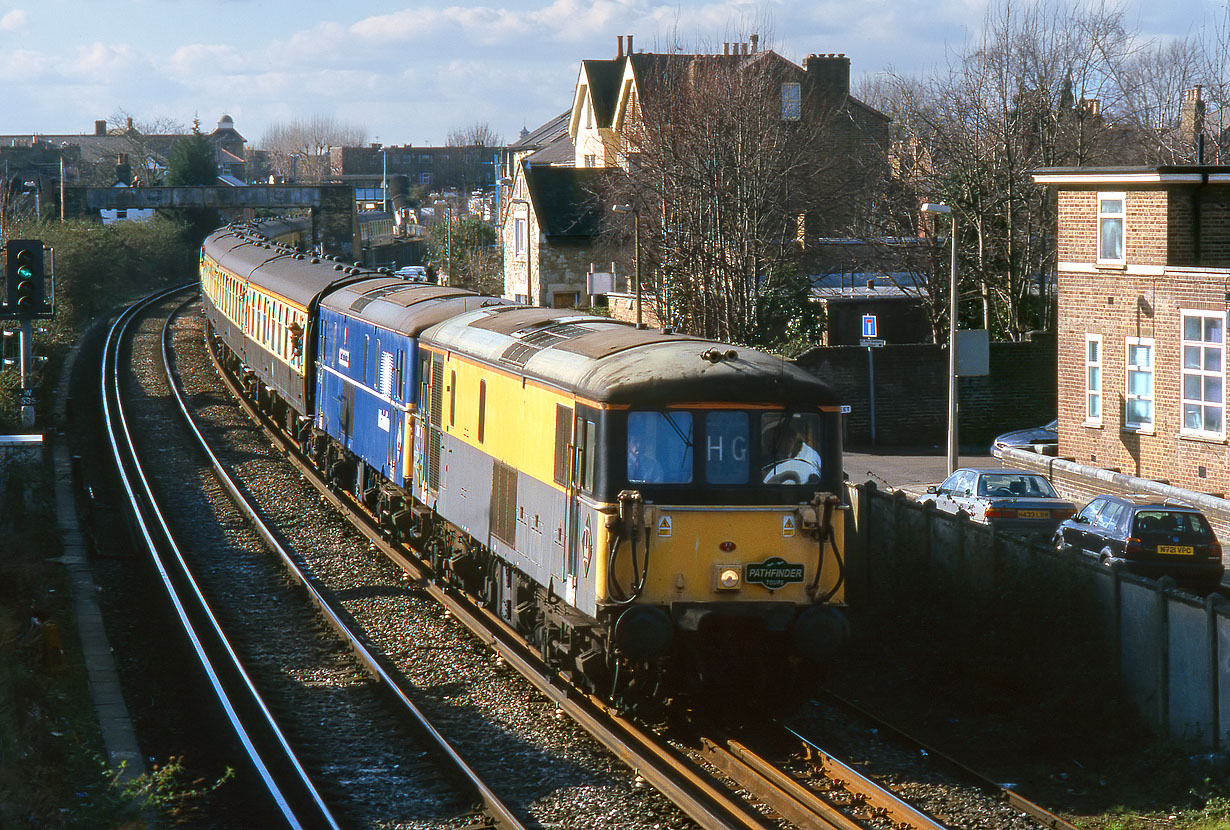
x: 1145, y: 536
x: 1034, y: 438
x: 1014, y: 500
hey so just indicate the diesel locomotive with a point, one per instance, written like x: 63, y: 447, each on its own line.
x: 641, y: 506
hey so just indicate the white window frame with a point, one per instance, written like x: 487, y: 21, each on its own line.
x: 1130, y: 368
x: 1199, y: 352
x: 520, y: 234
x: 1120, y: 216
x: 1093, y: 390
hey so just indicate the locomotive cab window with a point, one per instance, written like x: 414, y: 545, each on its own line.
x: 726, y: 448
x: 790, y: 448
x: 660, y: 447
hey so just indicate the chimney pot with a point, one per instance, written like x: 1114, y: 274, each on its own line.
x: 629, y: 40
x: 619, y: 46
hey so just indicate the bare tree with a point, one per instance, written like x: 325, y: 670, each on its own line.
x: 1028, y: 93
x: 1154, y: 83
x: 470, y: 162
x: 721, y: 183
x: 149, y: 143
x: 299, y: 149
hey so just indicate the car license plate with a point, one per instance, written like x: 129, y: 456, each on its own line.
x: 1033, y: 514
x: 1175, y: 550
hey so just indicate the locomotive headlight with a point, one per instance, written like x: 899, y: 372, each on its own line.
x: 728, y: 578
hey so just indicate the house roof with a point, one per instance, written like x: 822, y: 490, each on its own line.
x: 604, y: 77
x: 566, y: 199
x: 1166, y: 174
x: 545, y: 134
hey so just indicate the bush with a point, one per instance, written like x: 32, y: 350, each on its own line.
x: 95, y: 267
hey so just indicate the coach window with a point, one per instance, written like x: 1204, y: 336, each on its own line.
x: 660, y: 447
x: 1111, y: 216
x: 452, y: 398
x: 726, y: 448
x: 399, y: 380
x: 482, y: 410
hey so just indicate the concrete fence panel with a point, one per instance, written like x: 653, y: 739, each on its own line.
x: 1190, y: 711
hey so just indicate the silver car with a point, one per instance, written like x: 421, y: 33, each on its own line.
x: 1017, y: 501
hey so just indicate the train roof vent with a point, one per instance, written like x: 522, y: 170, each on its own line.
x: 385, y: 290
x: 518, y: 354
x: 361, y: 303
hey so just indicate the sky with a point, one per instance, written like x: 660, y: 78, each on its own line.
x: 409, y: 73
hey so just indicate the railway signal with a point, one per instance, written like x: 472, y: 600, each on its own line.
x: 27, y: 281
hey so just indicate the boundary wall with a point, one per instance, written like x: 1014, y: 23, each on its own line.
x: 1170, y: 650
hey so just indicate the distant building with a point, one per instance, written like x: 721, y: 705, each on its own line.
x: 433, y: 168
x: 1143, y: 265
x: 37, y: 162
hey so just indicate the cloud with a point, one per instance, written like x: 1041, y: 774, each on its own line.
x: 14, y: 20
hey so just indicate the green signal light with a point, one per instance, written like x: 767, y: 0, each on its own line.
x: 25, y: 273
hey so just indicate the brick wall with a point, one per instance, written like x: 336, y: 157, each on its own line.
x: 1145, y: 298
x: 1117, y: 307
x: 911, y: 392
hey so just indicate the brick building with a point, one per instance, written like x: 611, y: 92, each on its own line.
x: 1143, y: 275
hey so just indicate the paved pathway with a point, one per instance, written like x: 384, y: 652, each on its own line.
x: 909, y: 471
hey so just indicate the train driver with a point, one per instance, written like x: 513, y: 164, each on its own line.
x: 794, y: 460
x: 642, y: 466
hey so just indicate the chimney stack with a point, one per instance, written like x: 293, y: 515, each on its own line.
x: 619, y: 46
x: 629, y: 44
x: 100, y: 128
x: 1191, y: 116
x: 830, y: 74
x: 755, y: 43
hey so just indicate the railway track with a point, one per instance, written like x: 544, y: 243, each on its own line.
x: 715, y: 781
x: 253, y: 710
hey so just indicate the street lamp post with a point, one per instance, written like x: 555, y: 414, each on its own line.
x: 935, y: 209
x: 636, y: 253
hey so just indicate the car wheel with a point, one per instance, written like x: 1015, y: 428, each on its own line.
x: 1061, y: 547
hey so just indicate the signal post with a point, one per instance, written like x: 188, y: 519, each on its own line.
x: 28, y: 297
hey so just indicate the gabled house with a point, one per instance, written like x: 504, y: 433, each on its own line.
x: 606, y: 104
x: 551, y: 221
x: 1143, y: 277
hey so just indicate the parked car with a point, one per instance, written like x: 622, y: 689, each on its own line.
x: 1034, y: 438
x: 1013, y: 500
x: 1146, y: 536
x: 413, y: 273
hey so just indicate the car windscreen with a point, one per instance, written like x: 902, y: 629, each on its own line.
x: 1015, y: 485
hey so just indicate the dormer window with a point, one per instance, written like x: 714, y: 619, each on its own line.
x: 1110, y: 228
x: 790, y: 102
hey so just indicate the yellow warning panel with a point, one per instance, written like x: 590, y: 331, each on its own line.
x: 787, y: 526
x: 664, y: 526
